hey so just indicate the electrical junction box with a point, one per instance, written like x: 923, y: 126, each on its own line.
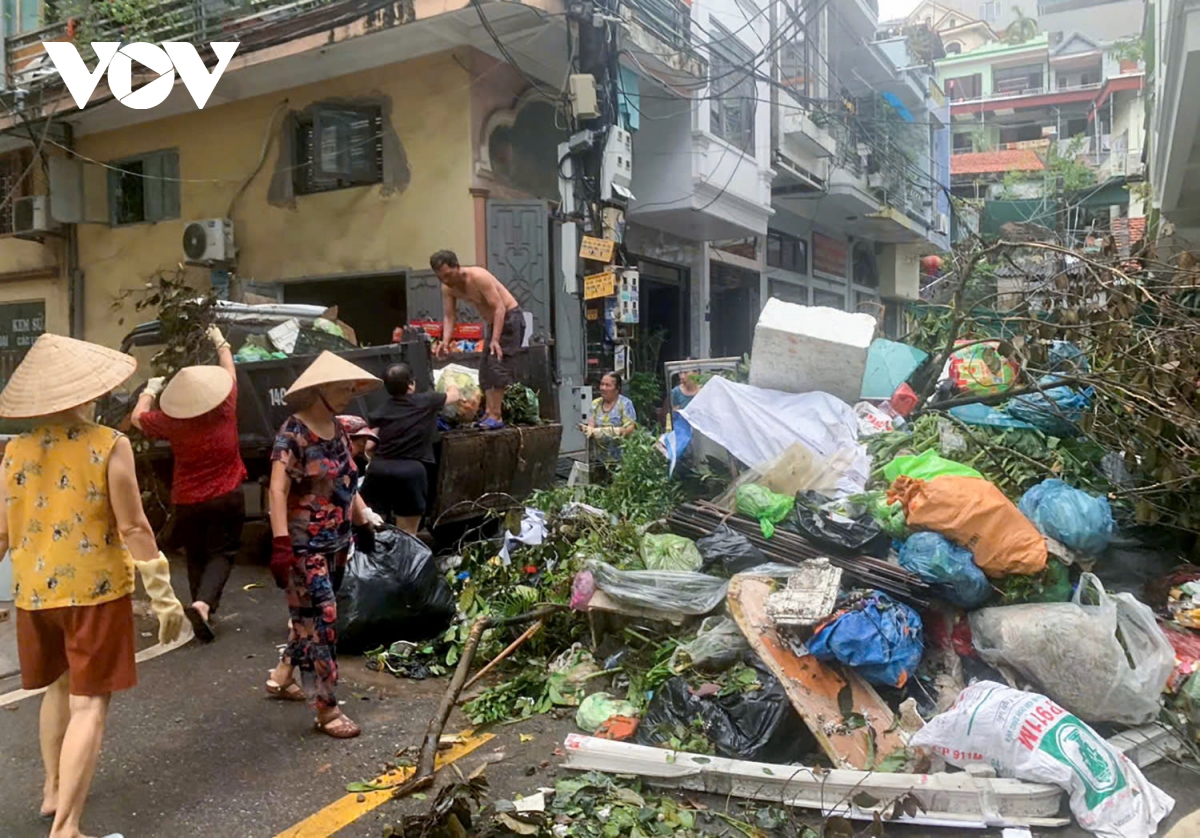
x: 582, y: 87
x: 616, y: 172
x: 628, y: 292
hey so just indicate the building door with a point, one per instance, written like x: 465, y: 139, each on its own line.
x: 518, y: 240
x: 735, y: 306
x: 662, y: 298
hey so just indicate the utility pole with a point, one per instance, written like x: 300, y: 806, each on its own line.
x: 585, y: 183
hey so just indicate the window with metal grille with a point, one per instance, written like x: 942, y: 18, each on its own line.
x: 13, y: 185
x: 733, y: 88
x: 337, y: 148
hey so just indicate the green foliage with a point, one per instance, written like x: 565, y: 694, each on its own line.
x: 184, y: 315
x: 521, y: 405
x: 1022, y: 29
x: 1129, y: 49
x: 1065, y: 164
x: 112, y: 20
x: 645, y: 391
x: 638, y: 492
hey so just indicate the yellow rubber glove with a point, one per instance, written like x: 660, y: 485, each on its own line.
x: 156, y: 577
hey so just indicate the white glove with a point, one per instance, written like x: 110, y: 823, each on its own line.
x: 374, y: 519
x: 155, y: 386
x: 156, y: 577
x: 214, y: 334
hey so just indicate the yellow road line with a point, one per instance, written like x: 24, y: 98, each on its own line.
x: 346, y: 810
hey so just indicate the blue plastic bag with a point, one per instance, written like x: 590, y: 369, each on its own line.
x: 1056, y: 411
x: 880, y: 638
x: 938, y: 560
x: 1066, y: 514
x: 981, y: 414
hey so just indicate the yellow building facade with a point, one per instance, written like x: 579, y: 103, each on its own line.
x: 231, y: 160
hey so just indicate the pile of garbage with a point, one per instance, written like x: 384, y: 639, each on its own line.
x: 873, y: 604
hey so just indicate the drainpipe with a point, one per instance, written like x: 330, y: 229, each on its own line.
x: 73, y: 271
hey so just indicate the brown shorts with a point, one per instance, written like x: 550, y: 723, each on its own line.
x: 94, y: 643
x: 497, y: 373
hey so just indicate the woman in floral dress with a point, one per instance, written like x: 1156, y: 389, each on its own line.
x: 313, y: 502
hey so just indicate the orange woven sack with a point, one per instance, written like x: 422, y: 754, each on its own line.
x: 976, y: 515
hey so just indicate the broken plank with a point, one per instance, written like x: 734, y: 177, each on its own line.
x: 814, y: 687
x: 953, y: 800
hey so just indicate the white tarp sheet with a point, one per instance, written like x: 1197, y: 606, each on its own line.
x: 757, y: 425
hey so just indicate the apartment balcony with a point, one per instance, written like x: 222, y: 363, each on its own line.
x: 288, y: 43
x: 878, y: 192
x: 1023, y: 96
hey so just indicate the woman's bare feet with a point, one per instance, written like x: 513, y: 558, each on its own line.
x: 49, y: 803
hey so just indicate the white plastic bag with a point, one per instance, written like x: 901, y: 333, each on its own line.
x: 1106, y: 662
x: 1028, y: 737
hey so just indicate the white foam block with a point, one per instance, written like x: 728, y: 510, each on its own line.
x: 801, y: 349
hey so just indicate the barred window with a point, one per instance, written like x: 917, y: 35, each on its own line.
x: 337, y: 148
x: 13, y: 185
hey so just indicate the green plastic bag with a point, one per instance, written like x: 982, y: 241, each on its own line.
x: 1051, y: 585
x: 926, y: 466
x: 764, y: 505
x: 670, y: 552
x: 598, y: 708
x: 889, y: 516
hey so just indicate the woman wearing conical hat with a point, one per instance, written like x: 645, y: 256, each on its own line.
x: 76, y: 530
x: 314, y: 501
x: 197, y: 414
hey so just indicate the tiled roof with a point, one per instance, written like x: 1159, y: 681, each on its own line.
x: 988, y: 162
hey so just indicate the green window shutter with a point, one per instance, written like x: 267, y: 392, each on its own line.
x: 152, y: 186
x: 171, y: 187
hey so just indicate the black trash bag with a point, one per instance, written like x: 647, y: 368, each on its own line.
x: 726, y: 552
x: 391, y: 591
x: 853, y: 534
x: 760, y: 725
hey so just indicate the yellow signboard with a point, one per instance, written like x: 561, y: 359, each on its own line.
x: 598, y: 250
x: 599, y: 285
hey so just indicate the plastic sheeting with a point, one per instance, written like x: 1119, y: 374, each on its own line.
x: 757, y: 425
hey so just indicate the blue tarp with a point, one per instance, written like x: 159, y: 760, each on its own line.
x: 894, y: 100
x: 880, y: 638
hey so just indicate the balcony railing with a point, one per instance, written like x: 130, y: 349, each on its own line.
x: 1026, y: 92
x: 194, y: 21
x: 669, y: 20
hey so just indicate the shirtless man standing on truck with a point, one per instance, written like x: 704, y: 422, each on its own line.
x: 505, y: 326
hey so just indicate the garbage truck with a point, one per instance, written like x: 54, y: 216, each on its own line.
x: 477, y: 470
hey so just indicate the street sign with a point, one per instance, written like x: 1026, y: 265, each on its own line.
x: 598, y: 250
x: 599, y: 285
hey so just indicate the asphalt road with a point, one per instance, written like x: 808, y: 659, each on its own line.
x: 196, y: 749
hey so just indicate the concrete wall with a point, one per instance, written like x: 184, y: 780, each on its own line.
x: 32, y: 271
x: 1100, y: 21
x: 339, y: 233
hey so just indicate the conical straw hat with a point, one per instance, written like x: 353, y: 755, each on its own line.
x: 331, y: 369
x: 195, y: 391
x: 59, y: 373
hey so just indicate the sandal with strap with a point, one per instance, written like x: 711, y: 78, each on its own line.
x: 290, y: 691
x: 339, y: 727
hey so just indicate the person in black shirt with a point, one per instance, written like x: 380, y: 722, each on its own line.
x: 398, y: 478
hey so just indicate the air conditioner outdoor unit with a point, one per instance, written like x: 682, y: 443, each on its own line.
x: 31, y: 215
x: 208, y: 242
x: 942, y: 223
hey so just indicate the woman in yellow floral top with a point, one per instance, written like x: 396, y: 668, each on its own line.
x: 75, y: 529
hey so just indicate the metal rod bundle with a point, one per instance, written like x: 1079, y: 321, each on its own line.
x: 786, y: 547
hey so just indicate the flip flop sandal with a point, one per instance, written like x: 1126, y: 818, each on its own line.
x: 339, y: 727
x: 290, y: 691
x: 200, y: 626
